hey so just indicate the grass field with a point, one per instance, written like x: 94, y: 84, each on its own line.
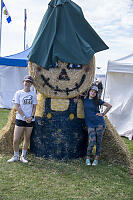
x: 3, y: 117
x: 57, y: 180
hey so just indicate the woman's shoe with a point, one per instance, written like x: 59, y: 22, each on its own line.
x: 88, y: 162
x: 95, y: 162
x: 13, y: 159
x: 22, y: 159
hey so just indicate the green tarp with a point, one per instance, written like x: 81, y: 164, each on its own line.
x: 64, y: 34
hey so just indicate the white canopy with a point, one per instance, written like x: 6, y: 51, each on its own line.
x: 123, y: 65
x: 12, y: 71
x: 119, y: 90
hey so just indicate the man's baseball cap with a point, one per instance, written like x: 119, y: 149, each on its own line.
x: 28, y: 78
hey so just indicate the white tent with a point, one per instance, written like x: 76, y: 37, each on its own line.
x: 12, y: 71
x: 119, y: 90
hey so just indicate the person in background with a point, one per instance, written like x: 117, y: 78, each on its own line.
x: 99, y: 84
x: 94, y: 121
x: 25, y: 104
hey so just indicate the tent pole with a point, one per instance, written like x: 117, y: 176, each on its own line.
x: 105, y: 84
x: 1, y: 25
x: 102, y: 109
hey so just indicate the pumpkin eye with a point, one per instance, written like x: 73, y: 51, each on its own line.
x: 74, y: 66
x: 53, y: 65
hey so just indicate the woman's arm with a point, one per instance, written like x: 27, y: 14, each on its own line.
x: 33, y: 110
x: 108, y: 107
x: 17, y: 107
x: 28, y: 120
x: 81, y: 96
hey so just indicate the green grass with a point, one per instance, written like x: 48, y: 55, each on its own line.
x: 3, y: 117
x: 129, y: 143
x: 43, y: 179
x: 57, y: 180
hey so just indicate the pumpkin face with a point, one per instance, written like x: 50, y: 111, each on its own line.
x: 62, y: 81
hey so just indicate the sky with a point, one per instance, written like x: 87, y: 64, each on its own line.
x: 111, y: 19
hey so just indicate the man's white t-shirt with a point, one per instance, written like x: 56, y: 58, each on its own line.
x: 26, y: 101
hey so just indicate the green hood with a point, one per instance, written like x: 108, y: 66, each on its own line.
x: 64, y: 34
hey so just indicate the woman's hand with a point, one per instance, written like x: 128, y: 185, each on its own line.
x: 75, y: 100
x: 28, y: 120
x: 99, y: 114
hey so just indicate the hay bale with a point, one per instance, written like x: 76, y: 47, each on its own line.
x: 114, y: 150
x: 6, y: 134
x: 48, y: 83
x: 40, y: 108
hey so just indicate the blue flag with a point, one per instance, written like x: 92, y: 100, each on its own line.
x: 6, y: 13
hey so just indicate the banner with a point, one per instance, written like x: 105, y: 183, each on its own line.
x: 6, y: 13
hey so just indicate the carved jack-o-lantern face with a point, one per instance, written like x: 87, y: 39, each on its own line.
x: 63, y: 81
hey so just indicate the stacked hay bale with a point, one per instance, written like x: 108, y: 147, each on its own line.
x: 58, y: 132
x: 49, y: 84
x: 114, y: 149
x: 6, y: 134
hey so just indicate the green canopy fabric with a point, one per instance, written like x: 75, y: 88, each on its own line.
x: 64, y: 34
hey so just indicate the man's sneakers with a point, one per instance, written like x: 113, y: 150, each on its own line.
x: 16, y: 158
x: 88, y: 162
x: 13, y: 159
x: 22, y: 159
x: 95, y: 162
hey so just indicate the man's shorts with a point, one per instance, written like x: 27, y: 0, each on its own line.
x: 24, y: 123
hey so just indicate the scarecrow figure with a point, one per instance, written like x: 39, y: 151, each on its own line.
x: 62, y: 64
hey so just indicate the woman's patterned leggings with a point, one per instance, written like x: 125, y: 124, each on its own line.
x: 95, y: 138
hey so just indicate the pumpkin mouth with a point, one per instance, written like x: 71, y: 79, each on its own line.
x: 65, y: 90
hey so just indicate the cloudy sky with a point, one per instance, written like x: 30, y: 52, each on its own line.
x: 111, y: 19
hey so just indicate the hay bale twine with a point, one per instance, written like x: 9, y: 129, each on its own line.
x: 6, y: 134
x: 114, y: 150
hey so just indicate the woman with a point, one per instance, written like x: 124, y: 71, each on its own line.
x: 95, y: 122
x: 25, y: 105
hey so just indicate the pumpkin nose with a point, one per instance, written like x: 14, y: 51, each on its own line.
x: 63, y: 75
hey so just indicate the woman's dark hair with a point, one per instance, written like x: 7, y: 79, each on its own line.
x: 95, y: 99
